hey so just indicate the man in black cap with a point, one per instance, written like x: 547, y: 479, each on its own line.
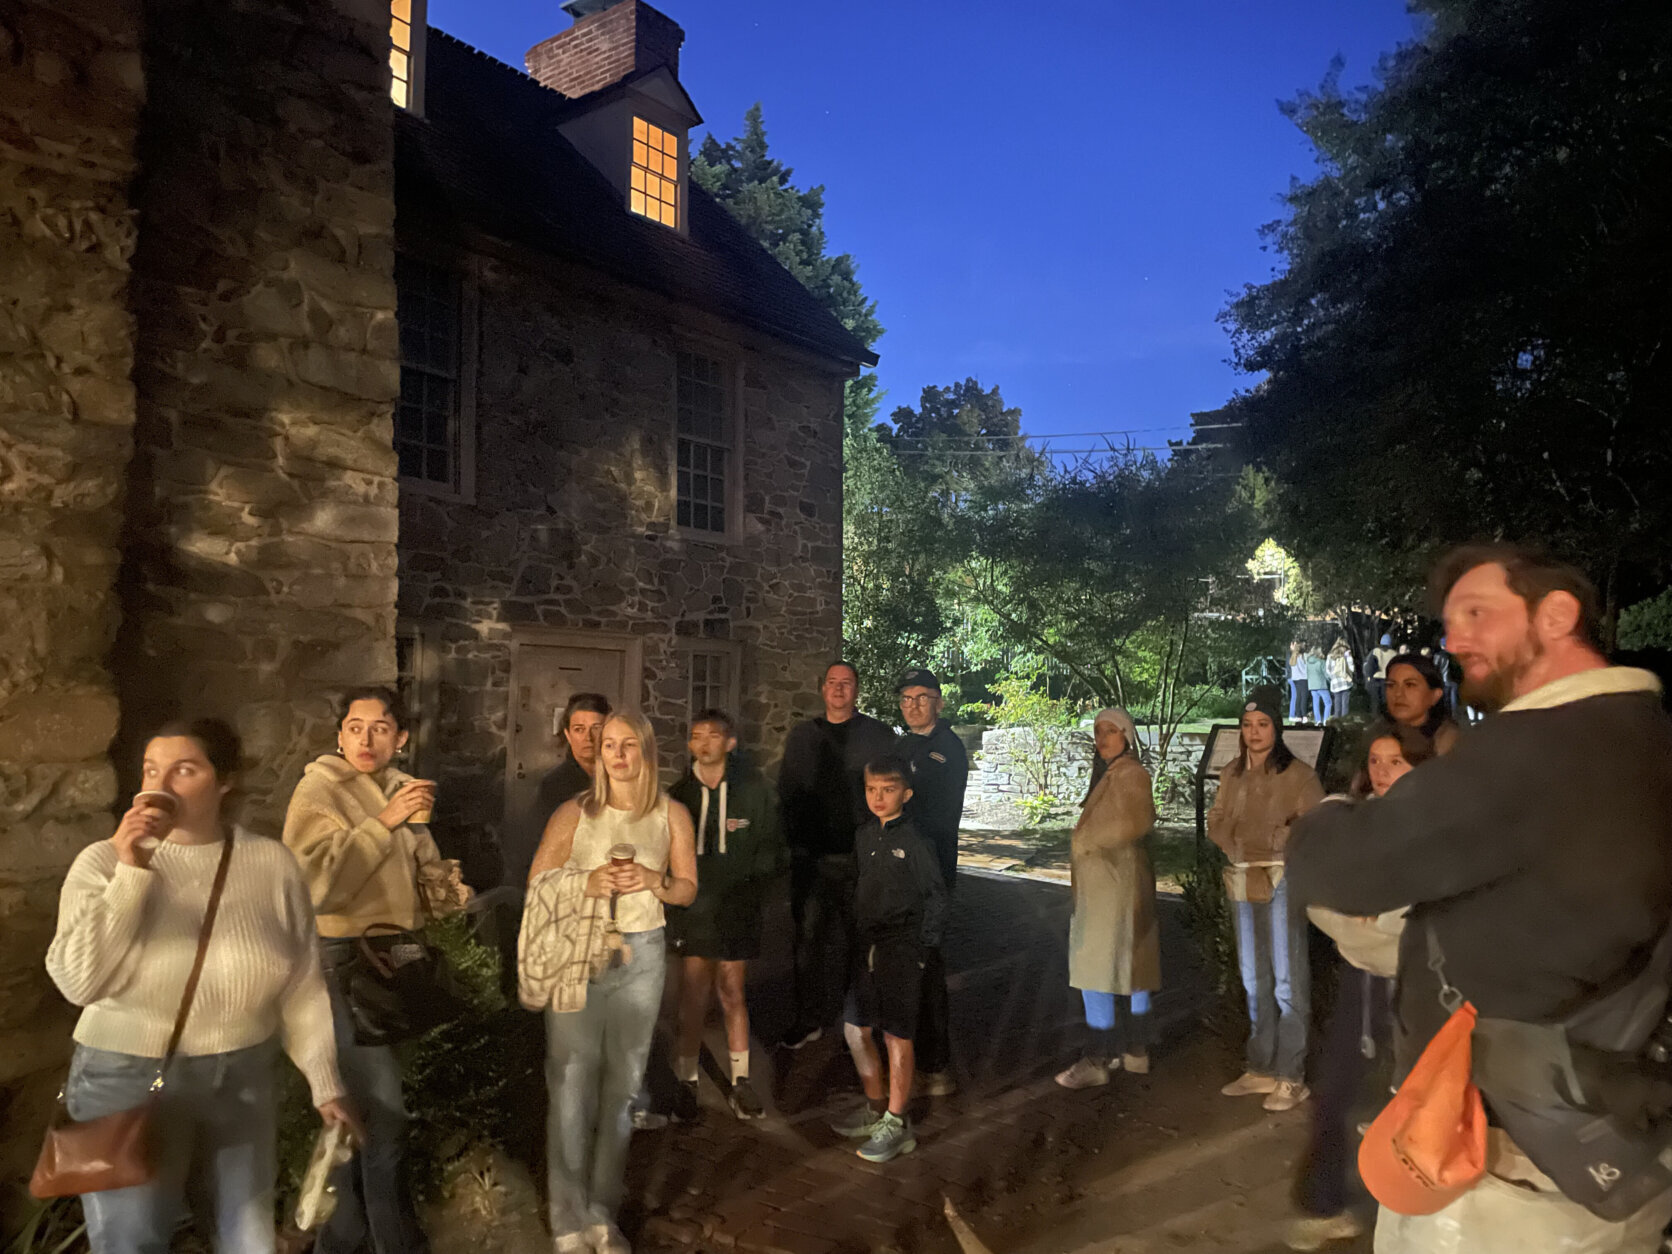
x: 940, y: 769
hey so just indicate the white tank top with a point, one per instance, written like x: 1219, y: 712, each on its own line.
x: 634, y: 912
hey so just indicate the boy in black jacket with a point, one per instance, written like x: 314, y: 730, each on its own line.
x: 900, y: 914
x: 739, y: 850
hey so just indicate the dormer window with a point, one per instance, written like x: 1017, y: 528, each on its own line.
x: 406, y: 54
x: 653, y: 189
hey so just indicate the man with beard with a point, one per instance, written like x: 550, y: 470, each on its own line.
x: 1538, y: 854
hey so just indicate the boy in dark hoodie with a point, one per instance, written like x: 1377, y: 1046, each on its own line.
x: 900, y: 914
x: 739, y: 850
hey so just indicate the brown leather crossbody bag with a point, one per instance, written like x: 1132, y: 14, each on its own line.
x: 115, y: 1151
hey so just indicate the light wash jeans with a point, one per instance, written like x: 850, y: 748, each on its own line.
x: 215, y: 1131
x: 374, y: 1198
x: 1320, y: 704
x: 1127, y: 1011
x: 1271, y: 952
x: 595, y: 1059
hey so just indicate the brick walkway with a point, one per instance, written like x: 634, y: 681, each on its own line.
x: 788, y: 1183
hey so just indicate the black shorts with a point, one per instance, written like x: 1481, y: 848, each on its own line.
x: 887, y: 989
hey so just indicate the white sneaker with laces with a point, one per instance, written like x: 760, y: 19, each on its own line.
x: 1313, y: 1232
x: 1087, y: 1073
x: 1250, y: 1083
x: 1287, y: 1095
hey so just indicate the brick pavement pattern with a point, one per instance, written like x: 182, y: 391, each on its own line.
x: 787, y: 1183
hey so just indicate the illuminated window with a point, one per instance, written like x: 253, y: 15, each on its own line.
x: 704, y: 444
x: 406, y: 53
x: 654, y: 192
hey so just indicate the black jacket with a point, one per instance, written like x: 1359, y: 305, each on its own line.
x: 821, y: 783
x: 737, y: 878
x: 1540, y: 850
x: 940, y: 769
x: 900, y: 890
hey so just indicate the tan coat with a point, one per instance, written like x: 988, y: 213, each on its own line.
x: 1253, y: 812
x: 358, y: 871
x: 1114, y: 944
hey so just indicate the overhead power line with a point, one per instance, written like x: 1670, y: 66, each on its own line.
x: 1064, y: 435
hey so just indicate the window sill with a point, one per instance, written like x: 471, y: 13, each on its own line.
x: 436, y: 491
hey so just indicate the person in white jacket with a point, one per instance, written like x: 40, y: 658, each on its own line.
x: 1339, y: 665
x: 129, y: 918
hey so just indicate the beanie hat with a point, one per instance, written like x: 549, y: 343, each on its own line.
x: 1267, y: 701
x: 1387, y: 641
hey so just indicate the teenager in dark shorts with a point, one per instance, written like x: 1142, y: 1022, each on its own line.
x: 900, y: 916
x: 739, y: 851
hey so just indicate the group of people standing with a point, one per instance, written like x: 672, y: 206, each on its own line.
x: 1323, y: 680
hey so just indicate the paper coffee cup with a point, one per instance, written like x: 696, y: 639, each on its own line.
x: 165, y: 802
x: 422, y: 816
x: 622, y: 855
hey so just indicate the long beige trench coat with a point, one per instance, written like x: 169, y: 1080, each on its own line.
x: 1114, y: 945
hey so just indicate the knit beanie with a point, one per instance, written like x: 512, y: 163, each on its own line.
x: 1267, y: 701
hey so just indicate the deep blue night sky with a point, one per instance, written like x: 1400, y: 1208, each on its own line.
x: 1053, y: 197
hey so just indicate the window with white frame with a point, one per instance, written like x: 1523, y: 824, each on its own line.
x: 433, y: 418
x: 704, y: 470
x: 712, y: 676
x: 406, y: 53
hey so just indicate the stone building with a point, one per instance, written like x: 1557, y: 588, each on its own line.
x: 640, y: 487
x: 600, y: 444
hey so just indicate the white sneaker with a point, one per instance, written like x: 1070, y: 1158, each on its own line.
x: 1287, y: 1095
x: 1084, y: 1074
x: 1250, y: 1083
x: 607, y: 1239
x: 1135, y: 1064
x: 1313, y: 1232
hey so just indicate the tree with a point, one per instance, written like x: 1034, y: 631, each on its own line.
x: 789, y: 223
x: 1466, y: 336
x: 958, y: 439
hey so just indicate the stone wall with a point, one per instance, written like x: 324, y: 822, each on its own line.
x: 69, y: 99
x: 572, y: 527
x: 999, y: 779
x: 260, y: 552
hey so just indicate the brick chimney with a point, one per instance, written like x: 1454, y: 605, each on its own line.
x: 610, y: 40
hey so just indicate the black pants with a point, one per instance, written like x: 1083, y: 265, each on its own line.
x: 934, y: 1029
x: 1363, y: 1013
x: 821, y: 906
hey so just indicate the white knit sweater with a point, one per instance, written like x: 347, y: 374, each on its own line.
x: 126, y: 939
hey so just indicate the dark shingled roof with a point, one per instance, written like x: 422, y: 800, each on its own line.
x: 488, y: 153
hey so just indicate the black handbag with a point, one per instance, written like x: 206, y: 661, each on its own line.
x: 1579, y: 1098
x: 397, y: 986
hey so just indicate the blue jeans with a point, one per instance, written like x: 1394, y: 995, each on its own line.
x: 215, y: 1131
x: 1320, y: 704
x: 595, y: 1059
x: 1130, y: 1012
x: 1297, y: 699
x: 374, y: 1198
x: 1271, y: 952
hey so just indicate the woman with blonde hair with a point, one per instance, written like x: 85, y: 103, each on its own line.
x: 1114, y: 945
x: 591, y: 956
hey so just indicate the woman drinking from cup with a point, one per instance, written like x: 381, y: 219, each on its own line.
x: 132, y: 918
x: 356, y: 823
x: 591, y: 956
x: 1261, y: 793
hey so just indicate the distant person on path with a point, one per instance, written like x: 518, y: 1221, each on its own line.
x: 130, y: 920
x: 821, y: 789
x: 582, y: 723
x: 353, y: 824
x: 1536, y: 857
x: 1417, y: 699
x: 1261, y: 793
x: 1114, y: 941
x: 592, y: 954
x: 1383, y: 654
x: 739, y: 852
x: 900, y: 910
x: 1298, y: 687
x: 1361, y: 1019
x: 940, y: 771
x: 1340, y: 669
x: 1317, y: 683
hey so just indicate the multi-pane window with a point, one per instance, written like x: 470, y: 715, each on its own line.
x: 654, y: 190
x: 427, y: 418
x: 710, y: 682
x: 401, y: 66
x: 704, y: 444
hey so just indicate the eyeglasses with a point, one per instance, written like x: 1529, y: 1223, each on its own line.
x: 921, y: 699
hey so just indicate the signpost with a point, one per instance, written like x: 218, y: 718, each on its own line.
x: 1310, y: 744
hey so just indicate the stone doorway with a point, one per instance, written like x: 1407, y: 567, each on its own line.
x: 547, y: 668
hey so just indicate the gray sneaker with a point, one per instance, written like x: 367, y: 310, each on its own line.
x: 859, y: 1125
x: 891, y: 1137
